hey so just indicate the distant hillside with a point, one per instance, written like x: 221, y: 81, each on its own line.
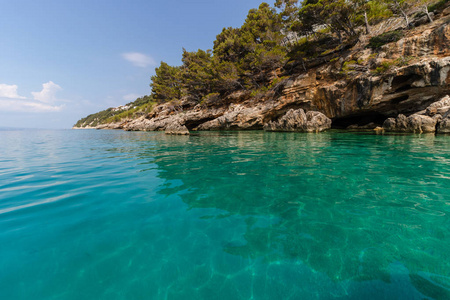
x: 132, y: 110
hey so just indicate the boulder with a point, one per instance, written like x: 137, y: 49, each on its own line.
x: 421, y: 124
x: 415, y: 123
x: 299, y: 121
x: 444, y: 124
x: 176, y: 129
x: 438, y: 107
x: 433, y: 118
x: 446, y: 11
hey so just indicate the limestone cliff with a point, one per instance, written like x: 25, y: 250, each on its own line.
x: 355, y: 87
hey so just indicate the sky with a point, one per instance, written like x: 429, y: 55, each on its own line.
x: 61, y: 60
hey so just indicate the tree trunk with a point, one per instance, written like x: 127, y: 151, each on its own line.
x: 405, y: 15
x: 367, y: 23
x: 428, y: 14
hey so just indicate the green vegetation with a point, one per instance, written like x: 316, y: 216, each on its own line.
x: 273, y: 43
x: 140, y: 106
x: 384, y: 67
x: 437, y: 5
x: 385, y: 38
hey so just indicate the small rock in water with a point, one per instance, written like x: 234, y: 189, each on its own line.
x: 177, y: 129
x: 434, y: 118
x: 298, y: 120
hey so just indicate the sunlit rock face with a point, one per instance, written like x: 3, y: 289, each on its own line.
x: 298, y: 120
x: 416, y: 74
x: 433, y: 119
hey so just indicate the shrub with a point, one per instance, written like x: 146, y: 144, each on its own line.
x: 384, y: 67
x: 348, y: 66
x: 210, y: 99
x: 385, y: 38
x: 437, y: 6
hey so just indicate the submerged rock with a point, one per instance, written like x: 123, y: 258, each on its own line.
x: 299, y: 121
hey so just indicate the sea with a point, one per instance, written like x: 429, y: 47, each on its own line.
x: 89, y: 214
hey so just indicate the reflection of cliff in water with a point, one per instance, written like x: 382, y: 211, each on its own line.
x: 346, y: 205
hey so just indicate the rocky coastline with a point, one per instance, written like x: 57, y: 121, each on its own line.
x: 401, y: 87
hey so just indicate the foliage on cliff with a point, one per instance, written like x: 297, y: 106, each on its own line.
x: 140, y: 106
x: 273, y: 44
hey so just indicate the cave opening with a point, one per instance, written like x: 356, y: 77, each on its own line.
x: 404, y: 82
x: 360, y: 120
x: 192, y: 124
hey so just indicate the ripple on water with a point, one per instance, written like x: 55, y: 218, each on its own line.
x: 245, y: 215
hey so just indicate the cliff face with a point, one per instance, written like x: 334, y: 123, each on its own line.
x: 358, y: 87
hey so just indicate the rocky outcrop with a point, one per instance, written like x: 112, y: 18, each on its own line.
x: 399, y: 80
x: 414, y: 123
x: 444, y: 124
x: 299, y: 121
x: 237, y: 116
x: 176, y: 129
x: 110, y: 126
x: 433, y: 119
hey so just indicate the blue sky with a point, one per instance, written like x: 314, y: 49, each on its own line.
x: 62, y: 60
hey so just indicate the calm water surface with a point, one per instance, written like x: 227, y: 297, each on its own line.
x: 249, y: 215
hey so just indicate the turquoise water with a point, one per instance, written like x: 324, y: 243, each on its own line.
x: 246, y: 215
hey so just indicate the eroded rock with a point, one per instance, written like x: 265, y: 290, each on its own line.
x: 299, y: 121
x: 444, y: 124
x: 432, y: 119
x: 176, y: 129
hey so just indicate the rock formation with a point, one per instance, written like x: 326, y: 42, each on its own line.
x: 298, y: 120
x: 361, y: 87
x: 433, y: 119
x: 176, y: 129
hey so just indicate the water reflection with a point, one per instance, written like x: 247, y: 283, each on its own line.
x: 347, y: 205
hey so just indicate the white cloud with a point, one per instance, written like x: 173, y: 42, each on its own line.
x: 9, y: 91
x: 43, y: 101
x: 131, y: 97
x: 47, y: 95
x: 139, y: 59
x: 27, y: 106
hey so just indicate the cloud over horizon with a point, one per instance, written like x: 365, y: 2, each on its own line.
x: 43, y: 101
x: 9, y: 91
x: 47, y: 95
x: 139, y: 59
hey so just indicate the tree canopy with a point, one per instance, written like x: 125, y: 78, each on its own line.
x: 254, y: 55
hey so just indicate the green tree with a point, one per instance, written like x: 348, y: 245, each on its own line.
x: 340, y: 16
x: 226, y: 76
x: 400, y: 8
x: 377, y: 11
x: 424, y: 4
x: 289, y: 10
x: 166, y: 83
x: 229, y: 45
x: 197, y: 73
x: 261, y: 36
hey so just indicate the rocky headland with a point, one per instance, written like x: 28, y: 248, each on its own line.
x: 402, y: 86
